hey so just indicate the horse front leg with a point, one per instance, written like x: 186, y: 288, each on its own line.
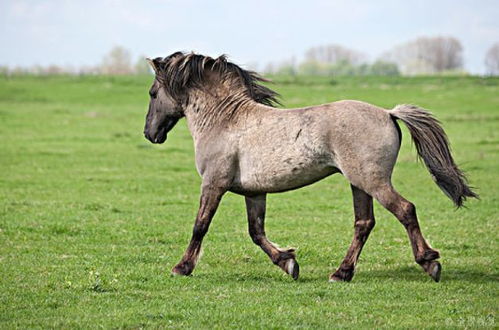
x: 364, y: 223
x: 210, y: 198
x: 285, y: 259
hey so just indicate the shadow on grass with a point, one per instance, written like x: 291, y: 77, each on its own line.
x: 416, y: 274
x: 402, y: 274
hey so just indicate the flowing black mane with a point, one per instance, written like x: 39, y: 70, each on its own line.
x: 179, y: 72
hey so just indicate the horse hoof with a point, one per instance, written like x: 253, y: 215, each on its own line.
x: 342, y: 275
x: 292, y: 268
x: 333, y: 279
x: 176, y: 272
x: 435, y: 271
x: 180, y: 270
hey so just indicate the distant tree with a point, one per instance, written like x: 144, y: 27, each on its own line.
x: 117, y: 62
x: 4, y: 70
x: 269, y: 68
x: 363, y: 70
x: 313, y: 68
x: 89, y: 70
x: 383, y: 68
x: 345, y: 68
x: 19, y: 70
x: 492, y: 60
x: 35, y: 70
x: 286, y: 68
x: 332, y: 60
x: 428, y: 55
x: 333, y: 53
x: 142, y: 67
x: 342, y: 67
x: 54, y: 70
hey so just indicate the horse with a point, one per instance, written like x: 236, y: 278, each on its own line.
x: 246, y: 145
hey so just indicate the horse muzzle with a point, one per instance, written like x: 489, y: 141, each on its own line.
x: 160, y: 135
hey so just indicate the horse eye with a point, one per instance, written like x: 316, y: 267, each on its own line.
x: 153, y: 93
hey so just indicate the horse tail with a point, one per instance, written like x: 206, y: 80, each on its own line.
x: 433, y: 147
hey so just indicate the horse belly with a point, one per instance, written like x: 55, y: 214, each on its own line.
x: 259, y: 176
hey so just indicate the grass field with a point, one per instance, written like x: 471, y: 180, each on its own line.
x: 93, y: 217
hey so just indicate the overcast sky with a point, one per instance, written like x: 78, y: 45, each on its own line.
x: 79, y: 33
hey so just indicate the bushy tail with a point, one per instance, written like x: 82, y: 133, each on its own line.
x: 433, y: 147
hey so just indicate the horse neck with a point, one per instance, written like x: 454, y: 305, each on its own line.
x: 209, y: 112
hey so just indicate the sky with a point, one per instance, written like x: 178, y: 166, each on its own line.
x: 253, y: 33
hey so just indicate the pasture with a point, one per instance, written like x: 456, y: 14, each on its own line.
x: 93, y: 217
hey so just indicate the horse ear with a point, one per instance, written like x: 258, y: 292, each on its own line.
x: 151, y: 63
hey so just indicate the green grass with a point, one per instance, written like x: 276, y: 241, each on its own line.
x: 93, y: 217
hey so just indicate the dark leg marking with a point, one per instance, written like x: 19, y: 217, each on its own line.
x: 405, y: 212
x: 285, y: 259
x: 364, y: 223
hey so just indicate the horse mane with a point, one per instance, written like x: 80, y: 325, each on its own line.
x: 179, y: 72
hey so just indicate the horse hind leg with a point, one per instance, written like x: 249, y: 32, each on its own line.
x: 285, y: 259
x: 405, y: 212
x: 364, y: 223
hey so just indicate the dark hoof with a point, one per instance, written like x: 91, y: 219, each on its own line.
x: 434, y: 270
x: 292, y: 268
x: 182, y: 269
x: 287, y: 262
x: 342, y: 275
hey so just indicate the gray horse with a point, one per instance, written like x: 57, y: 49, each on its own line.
x: 245, y: 145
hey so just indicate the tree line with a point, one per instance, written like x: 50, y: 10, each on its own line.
x: 422, y: 56
x: 117, y: 62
